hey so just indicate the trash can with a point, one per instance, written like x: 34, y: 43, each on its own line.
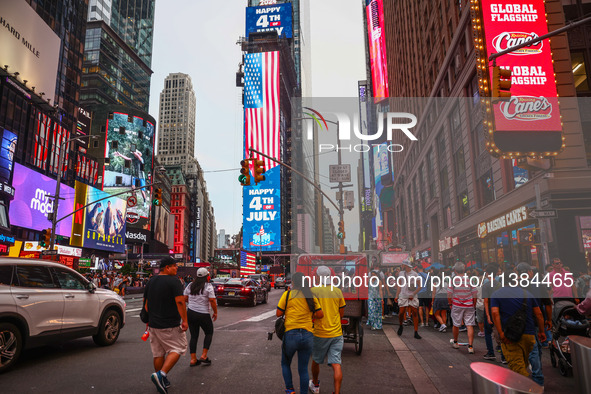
x: 580, y: 352
x: 493, y: 379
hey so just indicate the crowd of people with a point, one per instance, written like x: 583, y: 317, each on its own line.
x: 117, y: 281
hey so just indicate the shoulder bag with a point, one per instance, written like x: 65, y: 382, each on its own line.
x: 280, y: 322
x: 515, y: 326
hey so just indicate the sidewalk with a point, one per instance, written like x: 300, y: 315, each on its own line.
x: 448, y: 369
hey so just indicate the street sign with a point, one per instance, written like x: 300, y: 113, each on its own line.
x: 340, y: 173
x: 542, y: 213
x: 131, y: 201
x: 49, y: 252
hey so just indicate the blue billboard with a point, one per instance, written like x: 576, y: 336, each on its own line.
x: 7, y: 149
x: 268, y: 18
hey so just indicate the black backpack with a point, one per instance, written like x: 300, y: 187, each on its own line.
x: 515, y: 326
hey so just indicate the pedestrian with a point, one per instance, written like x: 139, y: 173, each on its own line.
x: 424, y: 296
x: 462, y: 298
x: 583, y: 283
x: 440, y: 303
x: 489, y: 286
x: 200, y: 297
x: 409, y: 285
x: 165, y: 303
x: 561, y: 291
x: 375, y: 299
x: 299, y: 309
x: 542, y: 298
x: 511, y: 301
x: 328, y: 333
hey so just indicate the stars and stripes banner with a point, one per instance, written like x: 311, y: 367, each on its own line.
x: 247, y: 263
x: 261, y: 105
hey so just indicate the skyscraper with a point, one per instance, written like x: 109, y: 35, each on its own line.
x: 176, y: 114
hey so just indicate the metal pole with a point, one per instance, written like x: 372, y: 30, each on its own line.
x: 341, y: 202
x: 543, y: 230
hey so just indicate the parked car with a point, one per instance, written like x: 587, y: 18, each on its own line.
x: 43, y: 303
x: 279, y: 282
x: 263, y: 279
x: 242, y: 290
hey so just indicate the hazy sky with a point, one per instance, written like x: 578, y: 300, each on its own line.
x: 199, y: 37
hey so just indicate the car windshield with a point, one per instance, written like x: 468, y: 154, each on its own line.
x: 220, y: 280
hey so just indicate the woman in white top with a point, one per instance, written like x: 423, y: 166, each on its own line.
x: 200, y: 296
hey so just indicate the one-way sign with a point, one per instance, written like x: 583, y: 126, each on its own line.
x: 542, y: 213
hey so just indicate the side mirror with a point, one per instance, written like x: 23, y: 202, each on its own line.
x: 91, y: 287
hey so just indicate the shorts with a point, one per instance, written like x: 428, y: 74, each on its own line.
x: 424, y: 301
x: 459, y: 314
x: 167, y: 340
x: 404, y: 302
x: 330, y: 348
x: 440, y: 304
x: 480, y: 315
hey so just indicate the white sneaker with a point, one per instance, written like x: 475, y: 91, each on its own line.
x: 470, y: 350
x: 442, y: 328
x: 313, y: 388
x: 455, y: 345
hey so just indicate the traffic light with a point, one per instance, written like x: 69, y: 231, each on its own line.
x: 158, y: 197
x: 45, y: 238
x: 501, y: 84
x: 244, y: 177
x: 341, y: 233
x: 259, y: 170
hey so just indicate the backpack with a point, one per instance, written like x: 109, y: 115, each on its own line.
x: 515, y: 326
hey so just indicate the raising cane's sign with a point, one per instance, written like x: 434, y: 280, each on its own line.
x: 534, y: 100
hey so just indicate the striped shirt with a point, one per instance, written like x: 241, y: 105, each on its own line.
x: 462, y: 296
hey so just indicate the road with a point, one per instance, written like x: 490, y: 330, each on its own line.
x: 243, y: 361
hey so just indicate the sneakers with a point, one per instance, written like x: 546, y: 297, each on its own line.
x: 400, y: 329
x: 470, y: 349
x: 407, y: 322
x: 166, y: 382
x: 290, y: 391
x: 454, y: 344
x: 489, y: 356
x: 463, y: 328
x: 158, y: 381
x: 417, y: 336
x: 314, y: 388
x: 205, y: 362
x: 503, y: 360
x: 442, y: 328
x: 481, y: 334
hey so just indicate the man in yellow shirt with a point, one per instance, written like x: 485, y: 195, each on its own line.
x: 328, y: 333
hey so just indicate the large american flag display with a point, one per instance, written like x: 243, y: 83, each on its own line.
x: 261, y: 105
x: 247, y: 263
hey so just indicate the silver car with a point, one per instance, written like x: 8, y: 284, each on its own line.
x: 42, y: 302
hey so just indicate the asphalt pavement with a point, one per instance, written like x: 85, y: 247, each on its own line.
x: 244, y: 361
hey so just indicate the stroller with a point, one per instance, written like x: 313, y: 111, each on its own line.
x: 566, y: 321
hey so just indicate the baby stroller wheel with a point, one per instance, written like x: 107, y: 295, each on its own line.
x: 553, y: 358
x: 563, y: 367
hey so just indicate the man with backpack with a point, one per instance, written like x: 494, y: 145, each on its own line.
x: 515, y: 314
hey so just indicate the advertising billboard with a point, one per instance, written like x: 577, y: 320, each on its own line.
x: 277, y: 17
x: 530, y: 120
x: 164, y: 226
x: 382, y: 179
x: 104, y: 222
x: 29, y: 46
x: 377, y: 49
x: 130, y: 151
x: 7, y: 149
x: 262, y: 124
x: 31, y: 203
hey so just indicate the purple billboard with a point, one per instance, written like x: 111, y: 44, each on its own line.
x: 31, y: 203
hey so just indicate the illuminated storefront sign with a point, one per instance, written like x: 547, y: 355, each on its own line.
x: 516, y: 216
x: 377, y: 49
x: 533, y: 106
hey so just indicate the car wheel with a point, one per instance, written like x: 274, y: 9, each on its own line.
x: 11, y: 345
x: 109, y: 329
x: 254, y: 300
x: 266, y: 298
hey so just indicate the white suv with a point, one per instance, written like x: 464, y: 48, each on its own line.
x: 42, y: 303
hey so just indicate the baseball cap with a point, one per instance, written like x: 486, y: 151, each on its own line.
x: 523, y: 267
x: 407, y: 263
x: 167, y: 261
x: 201, y: 272
x: 323, y: 271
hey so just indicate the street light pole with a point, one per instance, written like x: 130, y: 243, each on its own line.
x: 56, y: 197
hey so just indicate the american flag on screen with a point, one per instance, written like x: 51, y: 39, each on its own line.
x: 261, y: 105
x: 247, y: 263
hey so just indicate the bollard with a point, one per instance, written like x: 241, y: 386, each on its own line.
x: 493, y: 379
x: 580, y: 353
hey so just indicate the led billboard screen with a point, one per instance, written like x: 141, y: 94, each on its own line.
x: 130, y: 150
x: 262, y: 203
x: 277, y: 17
x: 530, y: 120
x: 7, y: 149
x: 31, y: 205
x: 377, y: 49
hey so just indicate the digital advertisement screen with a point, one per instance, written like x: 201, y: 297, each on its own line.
x: 104, y: 222
x: 276, y: 17
x: 377, y: 49
x: 7, y: 149
x: 130, y: 150
x: 534, y: 102
x: 31, y: 205
x: 262, y: 202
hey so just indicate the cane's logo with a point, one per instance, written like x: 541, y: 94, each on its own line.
x: 481, y: 230
x: 509, y: 40
x: 526, y: 108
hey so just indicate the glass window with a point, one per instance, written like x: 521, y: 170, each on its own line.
x: 68, y: 280
x: 580, y: 71
x: 464, y: 205
x: 34, y: 276
x: 5, y: 275
x: 444, y: 178
x: 487, y: 188
x: 460, y: 162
